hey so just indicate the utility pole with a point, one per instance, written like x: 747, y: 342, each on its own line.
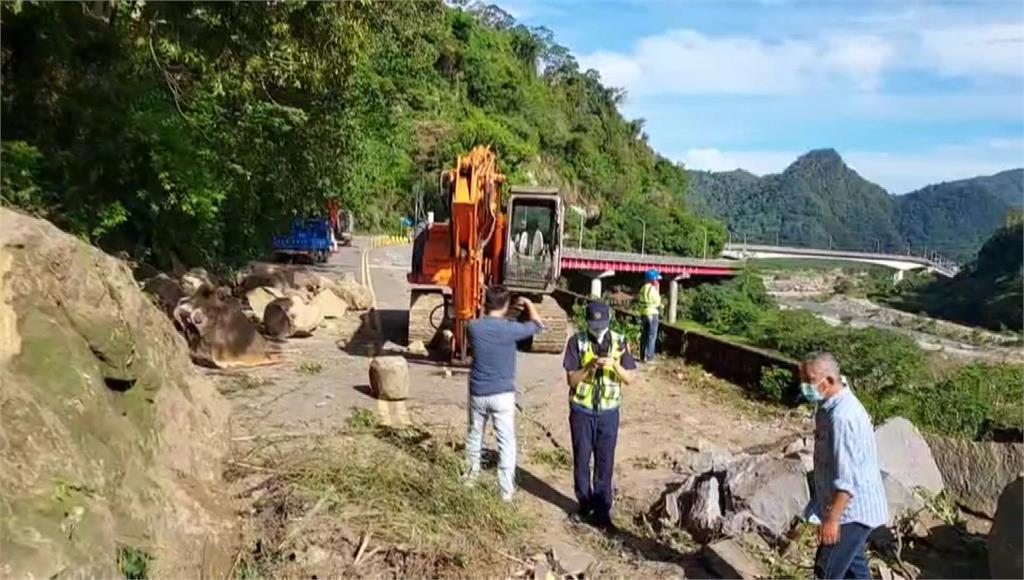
x: 705, y: 243
x: 643, y: 237
x: 830, y: 242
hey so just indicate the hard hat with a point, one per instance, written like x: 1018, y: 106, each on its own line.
x: 653, y: 275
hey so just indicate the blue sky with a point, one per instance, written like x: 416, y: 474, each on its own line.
x: 909, y: 92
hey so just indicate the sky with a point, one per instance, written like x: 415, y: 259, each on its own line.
x: 908, y: 92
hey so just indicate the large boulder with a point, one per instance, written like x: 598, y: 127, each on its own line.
x: 329, y: 305
x: 356, y: 295
x: 904, y: 454
x: 901, y: 500
x: 773, y: 489
x: 291, y: 317
x: 389, y: 378
x: 110, y: 438
x: 218, y: 332
x: 166, y: 292
x: 259, y: 298
x: 976, y: 472
x: 705, y: 518
x: 1005, y: 555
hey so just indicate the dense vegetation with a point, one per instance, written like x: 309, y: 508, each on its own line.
x: 989, y: 291
x: 200, y: 129
x: 890, y: 373
x: 819, y: 201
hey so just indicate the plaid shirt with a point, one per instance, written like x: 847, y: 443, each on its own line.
x: 845, y: 458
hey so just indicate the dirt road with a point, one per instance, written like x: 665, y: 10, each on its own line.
x: 669, y: 408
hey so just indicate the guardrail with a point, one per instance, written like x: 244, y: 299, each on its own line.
x: 737, y: 363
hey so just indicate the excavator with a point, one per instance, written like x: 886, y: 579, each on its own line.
x: 487, y: 241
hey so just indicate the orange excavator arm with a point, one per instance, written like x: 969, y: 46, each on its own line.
x: 476, y: 233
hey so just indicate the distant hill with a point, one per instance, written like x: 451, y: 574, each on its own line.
x: 819, y: 199
x: 988, y: 291
x: 956, y: 218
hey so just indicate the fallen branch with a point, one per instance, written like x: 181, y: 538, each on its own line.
x: 362, y: 548
x: 303, y: 521
x: 514, y: 559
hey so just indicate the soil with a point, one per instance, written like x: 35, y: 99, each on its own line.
x: 319, y: 386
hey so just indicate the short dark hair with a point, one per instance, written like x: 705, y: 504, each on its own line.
x: 496, y: 298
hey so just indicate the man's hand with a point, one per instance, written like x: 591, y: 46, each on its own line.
x: 828, y: 534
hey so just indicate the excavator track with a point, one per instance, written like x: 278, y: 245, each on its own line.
x: 426, y: 316
x: 556, y: 327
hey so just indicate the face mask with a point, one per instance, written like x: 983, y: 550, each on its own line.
x: 810, y: 393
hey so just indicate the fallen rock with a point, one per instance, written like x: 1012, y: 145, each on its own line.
x: 1005, y: 558
x: 727, y: 559
x: 705, y: 518
x: 976, y: 472
x: 110, y: 437
x: 389, y: 378
x: 166, y: 292
x: 904, y: 454
x: 218, y: 332
x: 355, y: 294
x: 901, y: 500
x: 258, y: 298
x: 291, y: 317
x: 417, y: 348
x: 773, y: 489
x: 570, y: 560
x: 194, y: 279
x: 329, y: 305
x: 702, y: 457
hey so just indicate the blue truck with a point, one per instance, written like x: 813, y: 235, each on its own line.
x: 308, y: 239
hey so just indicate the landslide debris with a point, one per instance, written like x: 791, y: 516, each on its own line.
x: 111, y: 446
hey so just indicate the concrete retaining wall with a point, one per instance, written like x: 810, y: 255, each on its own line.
x: 976, y: 472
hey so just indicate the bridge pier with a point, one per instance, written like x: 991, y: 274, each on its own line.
x: 595, y: 281
x: 897, y: 277
x: 673, y: 299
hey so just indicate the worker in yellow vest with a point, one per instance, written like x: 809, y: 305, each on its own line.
x: 597, y: 364
x: 650, y: 307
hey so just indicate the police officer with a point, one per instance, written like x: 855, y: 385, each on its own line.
x: 597, y: 363
x: 650, y: 305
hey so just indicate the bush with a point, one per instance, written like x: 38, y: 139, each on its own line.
x: 978, y: 401
x: 730, y: 308
x: 776, y: 384
x: 627, y: 326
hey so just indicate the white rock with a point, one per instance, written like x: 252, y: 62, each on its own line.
x: 905, y: 455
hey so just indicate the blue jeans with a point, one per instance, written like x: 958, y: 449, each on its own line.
x: 594, y: 434
x: 649, y: 337
x: 502, y: 407
x: 846, y: 558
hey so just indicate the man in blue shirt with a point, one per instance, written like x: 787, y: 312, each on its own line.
x: 492, y: 391
x: 597, y: 364
x: 849, y: 498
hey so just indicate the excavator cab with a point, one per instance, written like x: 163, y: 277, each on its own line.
x: 534, y: 240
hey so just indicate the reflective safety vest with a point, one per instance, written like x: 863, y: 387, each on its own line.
x: 600, y: 391
x: 650, y: 299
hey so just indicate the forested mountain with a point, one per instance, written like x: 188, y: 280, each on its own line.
x: 199, y: 129
x: 988, y: 291
x: 819, y: 198
x: 956, y: 218
x: 815, y: 199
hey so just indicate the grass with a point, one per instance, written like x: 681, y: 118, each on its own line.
x: 310, y: 367
x: 555, y: 458
x: 133, y: 563
x: 403, y: 487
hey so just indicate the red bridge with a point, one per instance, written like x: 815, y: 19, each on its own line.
x: 599, y: 261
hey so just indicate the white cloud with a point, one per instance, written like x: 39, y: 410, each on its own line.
x: 896, y: 172
x: 682, y: 62
x: 990, y: 49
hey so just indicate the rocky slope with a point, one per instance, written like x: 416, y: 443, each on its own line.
x: 111, y: 443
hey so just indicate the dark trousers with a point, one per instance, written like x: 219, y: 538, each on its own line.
x: 846, y: 558
x: 649, y: 338
x: 594, y: 435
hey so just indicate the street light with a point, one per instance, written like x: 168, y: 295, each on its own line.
x: 583, y: 215
x: 643, y: 237
x: 705, y: 242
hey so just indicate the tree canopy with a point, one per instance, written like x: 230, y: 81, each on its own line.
x: 198, y: 130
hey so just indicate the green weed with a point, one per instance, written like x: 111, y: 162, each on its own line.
x: 133, y: 563
x: 310, y: 367
x: 555, y: 458
x: 361, y: 419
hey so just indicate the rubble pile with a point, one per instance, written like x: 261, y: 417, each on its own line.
x: 760, y: 497
x: 230, y: 326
